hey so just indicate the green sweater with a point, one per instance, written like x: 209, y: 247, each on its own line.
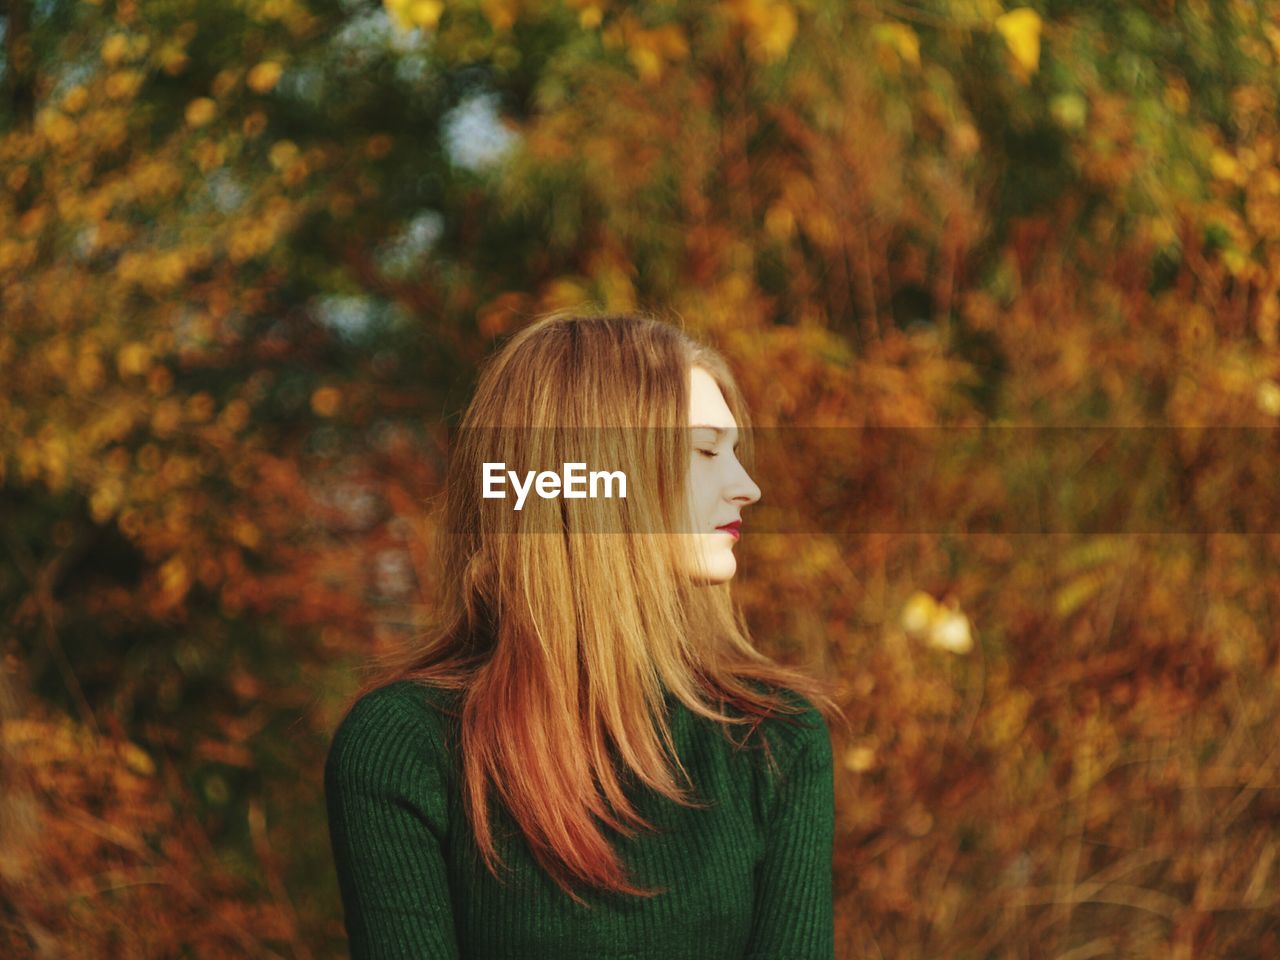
x: 748, y: 878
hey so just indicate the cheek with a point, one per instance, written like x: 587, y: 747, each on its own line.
x: 703, y: 492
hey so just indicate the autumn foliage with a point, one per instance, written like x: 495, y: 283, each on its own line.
x: 251, y: 254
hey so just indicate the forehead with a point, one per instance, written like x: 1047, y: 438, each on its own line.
x: 706, y: 402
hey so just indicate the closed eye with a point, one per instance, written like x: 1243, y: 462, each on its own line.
x: 709, y: 454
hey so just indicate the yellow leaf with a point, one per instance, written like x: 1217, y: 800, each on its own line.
x: 982, y: 11
x: 1177, y: 96
x: 106, y: 500
x: 859, y: 759
x: 671, y: 41
x: 200, y: 111
x: 325, y: 401
x: 500, y: 13
x: 1094, y: 553
x: 21, y: 732
x: 562, y: 293
x: 1236, y: 261
x: 965, y: 138
x: 54, y: 458
x: 123, y: 83
x: 646, y: 60
x: 1069, y: 109
x: 950, y: 631
x: 133, y: 358
x: 246, y: 534
x: 235, y: 415
x: 174, y: 578
x: 779, y: 29
x: 613, y: 36
x: 398, y: 10
x: 1224, y: 166
x: 75, y: 99
x: 1269, y: 398
x: 1079, y: 591
x: 224, y: 81
x: 56, y: 127
x: 282, y: 153
x: 901, y: 39
x: 172, y: 60
x: 821, y: 228
x: 1008, y: 717
x: 137, y: 759
x: 779, y: 221
x: 114, y: 49
x: 264, y: 76
x: 90, y: 371
x: 1021, y: 31
x: 918, y: 612
x: 942, y: 626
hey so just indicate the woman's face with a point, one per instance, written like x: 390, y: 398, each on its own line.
x: 719, y: 487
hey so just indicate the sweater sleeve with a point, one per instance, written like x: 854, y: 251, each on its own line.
x: 794, y: 917
x: 387, y: 823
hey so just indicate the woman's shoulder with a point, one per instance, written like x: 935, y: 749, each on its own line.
x: 401, y: 696
x: 800, y: 730
x: 388, y: 754
x: 796, y: 752
x: 389, y: 724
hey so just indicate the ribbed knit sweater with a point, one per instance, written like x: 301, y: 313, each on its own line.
x: 747, y: 878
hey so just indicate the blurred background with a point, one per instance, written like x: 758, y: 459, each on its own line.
x: 252, y: 252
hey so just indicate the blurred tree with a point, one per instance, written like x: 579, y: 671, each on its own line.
x: 251, y: 254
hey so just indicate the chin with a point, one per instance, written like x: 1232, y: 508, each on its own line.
x: 719, y: 569
x: 712, y: 581
x: 711, y: 562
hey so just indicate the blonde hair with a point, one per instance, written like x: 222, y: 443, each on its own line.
x: 565, y: 641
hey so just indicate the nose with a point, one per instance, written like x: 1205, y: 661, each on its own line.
x: 743, y: 490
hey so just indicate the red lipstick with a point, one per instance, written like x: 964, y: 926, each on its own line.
x: 734, y: 529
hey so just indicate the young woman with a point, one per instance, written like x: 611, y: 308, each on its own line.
x: 588, y: 646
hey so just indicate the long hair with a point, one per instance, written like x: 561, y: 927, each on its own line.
x: 564, y: 641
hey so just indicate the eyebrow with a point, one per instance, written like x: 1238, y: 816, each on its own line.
x: 718, y: 431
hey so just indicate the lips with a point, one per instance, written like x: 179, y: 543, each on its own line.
x: 734, y: 528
